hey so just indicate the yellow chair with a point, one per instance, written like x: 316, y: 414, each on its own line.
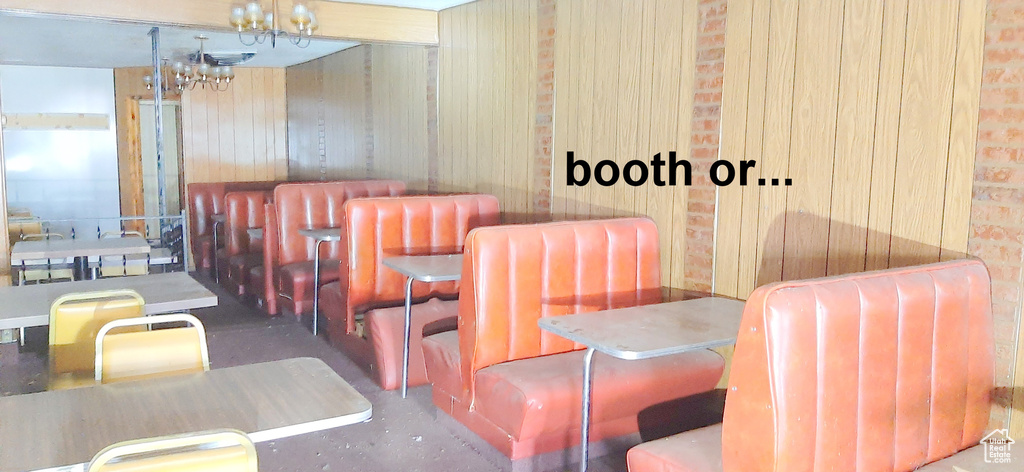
x: 44, y: 269
x: 156, y: 353
x: 224, y: 450
x: 120, y: 266
x: 75, y: 319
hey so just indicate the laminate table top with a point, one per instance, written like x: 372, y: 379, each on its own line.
x: 427, y: 268
x: 81, y: 247
x: 63, y: 429
x: 322, y: 234
x: 29, y: 305
x: 659, y: 329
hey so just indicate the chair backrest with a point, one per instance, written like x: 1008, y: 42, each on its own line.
x: 513, y: 275
x: 75, y: 319
x: 244, y: 210
x: 224, y: 450
x: 319, y: 205
x: 883, y: 370
x: 376, y: 228
x: 156, y: 353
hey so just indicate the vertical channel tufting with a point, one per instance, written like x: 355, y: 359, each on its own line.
x: 896, y: 371
x: 547, y: 270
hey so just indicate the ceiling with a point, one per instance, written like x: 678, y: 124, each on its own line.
x: 50, y: 41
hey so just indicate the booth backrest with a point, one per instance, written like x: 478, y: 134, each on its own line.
x: 376, y: 228
x: 206, y: 199
x: 270, y: 232
x: 513, y: 275
x: 319, y: 205
x: 244, y: 210
x: 884, y: 370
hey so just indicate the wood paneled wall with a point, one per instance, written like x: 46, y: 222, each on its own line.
x: 240, y: 134
x: 487, y: 83
x: 871, y: 109
x: 401, y: 131
x: 361, y: 113
x: 624, y: 77
x: 328, y: 117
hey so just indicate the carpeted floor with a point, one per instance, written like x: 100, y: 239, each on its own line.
x: 404, y: 434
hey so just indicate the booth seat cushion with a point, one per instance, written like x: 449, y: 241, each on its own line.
x: 239, y: 266
x: 528, y: 397
x: 441, y: 359
x: 296, y: 280
x: 386, y: 327
x: 203, y: 251
x: 255, y: 282
x: 692, y: 451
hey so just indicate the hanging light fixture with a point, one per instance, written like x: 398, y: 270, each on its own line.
x: 252, y: 19
x: 197, y: 71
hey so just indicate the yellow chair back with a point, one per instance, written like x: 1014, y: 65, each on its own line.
x: 138, y: 355
x: 75, y: 319
x: 224, y: 450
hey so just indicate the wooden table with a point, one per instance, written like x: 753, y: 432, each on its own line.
x: 428, y: 268
x: 643, y: 332
x: 80, y: 249
x: 272, y: 400
x: 320, y: 235
x: 29, y: 305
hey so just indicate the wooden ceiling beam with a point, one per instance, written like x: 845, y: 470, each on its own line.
x: 345, y: 21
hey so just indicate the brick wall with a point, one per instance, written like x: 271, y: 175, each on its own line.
x: 705, y: 130
x: 997, y: 211
x: 545, y: 106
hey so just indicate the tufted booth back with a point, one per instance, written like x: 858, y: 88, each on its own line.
x: 376, y: 228
x: 206, y: 199
x: 244, y: 210
x: 319, y: 205
x: 269, y: 295
x: 513, y: 275
x: 884, y: 370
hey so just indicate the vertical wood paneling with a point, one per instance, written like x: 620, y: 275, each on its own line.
x: 871, y: 109
x: 228, y: 135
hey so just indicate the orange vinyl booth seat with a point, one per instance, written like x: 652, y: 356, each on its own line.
x: 241, y: 254
x: 288, y: 255
x: 887, y: 370
x: 206, y: 199
x: 376, y: 228
x: 519, y: 387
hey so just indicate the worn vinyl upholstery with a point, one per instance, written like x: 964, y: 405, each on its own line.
x: 376, y: 228
x: 313, y: 205
x: 206, y: 199
x: 261, y: 278
x: 244, y: 210
x: 886, y: 370
x: 519, y: 387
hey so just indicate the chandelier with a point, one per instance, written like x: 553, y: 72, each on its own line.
x: 198, y: 71
x: 252, y: 19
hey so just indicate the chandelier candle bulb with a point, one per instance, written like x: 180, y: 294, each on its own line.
x: 313, y: 24
x: 253, y: 13
x: 238, y: 18
x: 300, y: 16
x: 268, y: 20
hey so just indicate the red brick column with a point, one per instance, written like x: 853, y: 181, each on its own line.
x: 706, y: 127
x: 997, y: 209
x: 543, y: 124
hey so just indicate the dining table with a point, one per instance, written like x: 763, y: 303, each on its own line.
x: 61, y: 430
x: 82, y: 250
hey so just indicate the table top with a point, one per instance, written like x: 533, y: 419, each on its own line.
x: 432, y: 268
x: 29, y: 305
x: 322, y: 234
x: 255, y: 233
x: 267, y: 401
x: 646, y: 331
x: 219, y: 218
x: 64, y: 248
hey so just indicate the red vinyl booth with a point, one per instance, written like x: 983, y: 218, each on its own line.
x: 290, y: 258
x: 888, y: 370
x: 206, y: 199
x: 519, y: 387
x: 376, y: 228
x: 244, y: 211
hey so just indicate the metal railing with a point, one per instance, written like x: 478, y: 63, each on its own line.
x: 167, y: 237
